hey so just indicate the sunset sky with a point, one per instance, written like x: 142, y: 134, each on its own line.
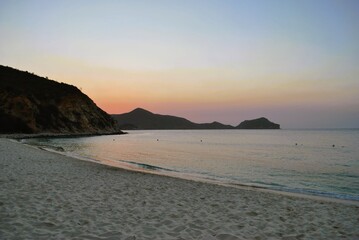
x: 293, y: 61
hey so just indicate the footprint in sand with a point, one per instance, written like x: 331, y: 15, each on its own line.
x: 252, y: 214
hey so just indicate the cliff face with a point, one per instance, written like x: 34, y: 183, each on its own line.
x: 32, y: 104
x: 259, y: 123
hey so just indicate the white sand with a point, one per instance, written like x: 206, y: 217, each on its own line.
x: 44, y: 195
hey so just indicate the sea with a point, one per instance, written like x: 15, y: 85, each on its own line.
x: 312, y: 162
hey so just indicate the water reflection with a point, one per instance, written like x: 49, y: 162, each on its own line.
x: 294, y: 160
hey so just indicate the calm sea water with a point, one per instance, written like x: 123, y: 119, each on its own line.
x: 316, y: 162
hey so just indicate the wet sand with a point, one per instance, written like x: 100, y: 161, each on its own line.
x: 45, y: 195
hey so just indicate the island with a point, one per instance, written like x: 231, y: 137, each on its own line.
x: 259, y: 123
x: 141, y: 119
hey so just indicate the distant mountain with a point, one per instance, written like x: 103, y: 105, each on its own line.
x: 259, y: 123
x: 143, y: 119
x: 33, y: 104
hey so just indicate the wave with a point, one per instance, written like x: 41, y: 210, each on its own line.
x: 322, y: 194
x: 148, y: 166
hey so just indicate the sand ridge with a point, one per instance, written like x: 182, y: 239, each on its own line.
x: 45, y: 195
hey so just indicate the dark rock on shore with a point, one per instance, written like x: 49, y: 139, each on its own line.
x: 33, y: 104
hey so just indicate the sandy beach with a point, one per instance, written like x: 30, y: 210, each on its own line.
x: 45, y: 195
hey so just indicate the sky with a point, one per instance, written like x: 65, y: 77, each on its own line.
x: 294, y: 62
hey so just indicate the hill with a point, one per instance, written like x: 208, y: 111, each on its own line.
x: 259, y: 123
x: 33, y: 104
x: 143, y: 119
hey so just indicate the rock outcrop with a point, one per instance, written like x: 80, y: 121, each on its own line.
x: 33, y: 104
x: 259, y: 123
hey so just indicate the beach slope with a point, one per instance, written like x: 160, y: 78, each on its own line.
x: 44, y: 195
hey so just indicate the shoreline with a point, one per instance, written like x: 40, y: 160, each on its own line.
x: 19, y: 136
x: 48, y: 195
x: 184, y: 176
x: 188, y: 177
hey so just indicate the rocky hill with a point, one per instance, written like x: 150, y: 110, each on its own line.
x: 259, y: 123
x: 143, y: 119
x: 33, y: 104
